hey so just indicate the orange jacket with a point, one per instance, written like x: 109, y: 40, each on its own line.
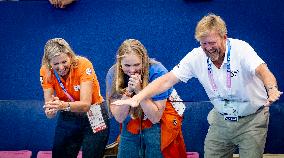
x: 172, y: 143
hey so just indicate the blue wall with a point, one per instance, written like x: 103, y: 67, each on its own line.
x: 96, y: 28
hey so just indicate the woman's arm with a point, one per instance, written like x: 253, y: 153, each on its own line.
x: 78, y: 106
x: 86, y: 91
x: 158, y: 86
x: 153, y: 109
x: 119, y: 112
x: 48, y: 97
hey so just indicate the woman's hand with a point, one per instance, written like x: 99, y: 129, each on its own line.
x: 50, y: 113
x: 134, y: 83
x: 55, y: 104
x: 51, y: 107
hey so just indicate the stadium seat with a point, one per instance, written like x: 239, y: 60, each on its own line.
x: 16, y: 154
x: 48, y: 154
x: 192, y: 155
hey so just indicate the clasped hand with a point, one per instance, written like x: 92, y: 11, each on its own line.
x: 51, y: 107
x: 134, y: 83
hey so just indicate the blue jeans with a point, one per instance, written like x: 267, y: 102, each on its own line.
x: 147, y: 144
x: 73, y: 131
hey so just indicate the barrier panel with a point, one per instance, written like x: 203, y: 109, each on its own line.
x: 24, y: 125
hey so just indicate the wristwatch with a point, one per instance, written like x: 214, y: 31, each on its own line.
x: 68, y: 108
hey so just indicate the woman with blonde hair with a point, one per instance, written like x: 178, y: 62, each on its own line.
x: 71, y: 89
x: 153, y: 129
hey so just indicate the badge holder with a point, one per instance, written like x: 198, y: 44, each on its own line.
x: 96, y: 118
x: 230, y: 112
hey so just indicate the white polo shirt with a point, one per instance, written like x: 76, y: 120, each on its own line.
x: 247, y: 91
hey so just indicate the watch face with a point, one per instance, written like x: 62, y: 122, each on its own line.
x: 68, y: 107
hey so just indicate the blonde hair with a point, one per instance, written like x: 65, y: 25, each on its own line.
x: 130, y: 46
x: 55, y: 47
x: 209, y: 23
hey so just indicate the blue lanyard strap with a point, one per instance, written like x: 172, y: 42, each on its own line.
x: 228, y: 76
x: 62, y: 86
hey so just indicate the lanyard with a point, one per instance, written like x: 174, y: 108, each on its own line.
x: 210, y: 74
x: 62, y: 86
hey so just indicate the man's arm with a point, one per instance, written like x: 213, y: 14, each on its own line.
x: 158, y: 86
x: 269, y: 82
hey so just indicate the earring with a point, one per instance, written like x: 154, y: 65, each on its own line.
x: 49, y: 66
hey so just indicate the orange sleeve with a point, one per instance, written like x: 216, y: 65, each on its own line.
x: 45, y: 78
x: 87, y: 74
x: 87, y: 71
x: 97, y: 98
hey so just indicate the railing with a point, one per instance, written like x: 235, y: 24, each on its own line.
x: 24, y: 126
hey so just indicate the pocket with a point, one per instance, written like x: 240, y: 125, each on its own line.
x: 170, y: 129
x: 262, y: 118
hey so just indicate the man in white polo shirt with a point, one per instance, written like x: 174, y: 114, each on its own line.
x: 238, y: 83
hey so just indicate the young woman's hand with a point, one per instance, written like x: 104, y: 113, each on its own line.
x: 135, y: 83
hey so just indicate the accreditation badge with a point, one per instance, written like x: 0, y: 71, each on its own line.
x: 96, y: 118
x: 230, y: 111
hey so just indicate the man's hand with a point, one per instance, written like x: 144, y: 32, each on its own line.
x: 130, y: 102
x: 273, y: 95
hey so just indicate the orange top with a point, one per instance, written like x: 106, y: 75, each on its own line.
x: 172, y: 142
x: 83, y: 72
